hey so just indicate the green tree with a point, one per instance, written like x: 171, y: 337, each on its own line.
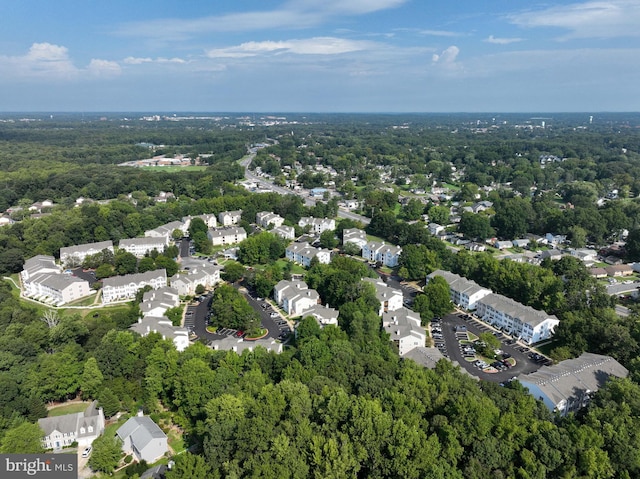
x: 197, y: 225
x: 328, y: 239
x: 109, y: 402
x: 189, y: 466
x: 25, y: 438
x: 439, y: 214
x: 106, y: 454
x: 91, y: 380
x: 125, y: 262
x: 475, y: 226
x: 437, y: 293
x: 233, y: 271
x: 146, y: 264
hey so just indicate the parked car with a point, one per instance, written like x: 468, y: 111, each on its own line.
x: 87, y: 451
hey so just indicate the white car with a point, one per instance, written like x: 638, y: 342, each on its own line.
x: 87, y: 451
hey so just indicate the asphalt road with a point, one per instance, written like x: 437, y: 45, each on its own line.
x: 524, y: 365
x: 184, y: 248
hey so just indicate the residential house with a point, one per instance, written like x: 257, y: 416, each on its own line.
x: 119, y: 288
x: 555, y: 239
x: 463, y: 292
x: 210, y: 221
x: 388, y: 255
x: 143, y: 438
x: 403, y: 326
x: 528, y: 324
x: 157, y: 301
x: 584, y: 254
x: 81, y: 427
x: 229, y: 218
x: 75, y: 255
x: 43, y: 280
x: 618, y: 270
x: 424, y: 356
x: 391, y: 299
x: 435, y: 228
x: 166, y: 231
x: 318, y: 225
x: 473, y: 246
x: 266, y: 218
x: 521, y: 243
x: 226, y: 235
x: 285, y: 232
x: 569, y: 385
x: 139, y: 247
x: 552, y: 254
x: 355, y: 236
x: 503, y: 244
x: 598, y: 273
x: 38, y: 265
x: 186, y: 283
x: 303, y: 254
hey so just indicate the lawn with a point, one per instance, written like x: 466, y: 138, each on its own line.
x: 68, y: 409
x: 546, y: 347
x: 87, y: 301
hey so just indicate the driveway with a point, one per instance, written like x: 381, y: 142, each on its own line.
x: 264, y: 309
x: 524, y: 365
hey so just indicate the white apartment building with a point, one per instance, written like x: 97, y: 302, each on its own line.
x: 227, y: 235
x: 139, y: 247
x: 568, y: 386
x: 210, y: 220
x: 403, y: 326
x: 303, y: 253
x: 205, y: 275
x: 318, y: 225
x: 285, y: 232
x: 528, y: 324
x: 166, y: 231
x: 37, y: 265
x: 75, y: 255
x: 390, y: 298
x: 355, y: 236
x: 324, y: 315
x: 463, y: 292
x: 266, y: 218
x: 388, y: 255
x: 119, y: 288
x: 229, y: 218
x: 295, y: 297
x: 42, y: 280
x: 163, y: 326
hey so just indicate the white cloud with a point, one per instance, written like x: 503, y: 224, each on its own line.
x: 448, y: 56
x: 439, y: 33
x: 142, y: 60
x: 308, y: 46
x: 502, y: 41
x: 104, y: 68
x: 295, y: 14
x: 593, y: 19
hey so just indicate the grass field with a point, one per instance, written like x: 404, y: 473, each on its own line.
x: 68, y: 409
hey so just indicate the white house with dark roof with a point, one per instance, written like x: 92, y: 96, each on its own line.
x: 239, y: 345
x: 75, y: 255
x: 463, y: 292
x: 318, y: 225
x: 81, y: 427
x: 121, y: 288
x: 210, y: 220
x: 303, y: 253
x: 37, y: 265
x: 528, y: 324
x: 143, y: 438
x: 266, y: 218
x: 139, y: 247
x: 354, y: 236
x: 404, y: 329
x: 568, y: 386
x: 390, y: 298
x: 229, y: 218
x: 43, y: 280
x: 226, y: 235
x: 387, y: 254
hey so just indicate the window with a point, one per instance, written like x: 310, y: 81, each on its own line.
x: 82, y: 430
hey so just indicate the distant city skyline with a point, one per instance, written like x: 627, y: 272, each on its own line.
x: 320, y: 56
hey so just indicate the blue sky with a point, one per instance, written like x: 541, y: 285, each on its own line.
x: 319, y: 55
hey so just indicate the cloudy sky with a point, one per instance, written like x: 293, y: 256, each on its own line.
x: 320, y: 55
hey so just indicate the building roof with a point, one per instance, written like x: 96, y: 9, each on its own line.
x: 383, y: 292
x: 71, y: 423
x: 401, y: 323
x: 226, y: 231
x: 161, y: 325
x: 39, y: 263
x: 146, y: 241
x: 427, y: 357
x: 587, y: 373
x: 142, y: 430
x: 57, y: 282
x: 83, y: 248
x: 117, y: 281
x: 525, y: 314
x: 458, y: 283
x: 322, y: 314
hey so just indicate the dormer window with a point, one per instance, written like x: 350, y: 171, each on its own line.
x: 82, y: 430
x: 90, y: 428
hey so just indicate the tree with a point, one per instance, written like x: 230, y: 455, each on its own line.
x: 200, y: 289
x: 412, y: 210
x: 437, y: 293
x: 233, y: 271
x: 91, y: 380
x: 109, y: 402
x: 125, y: 262
x: 189, y: 466
x: 416, y: 261
x: 51, y: 318
x: 104, y: 271
x: 475, y: 226
x: 146, y: 264
x: 106, y: 453
x: 512, y: 217
x: 197, y: 225
x: 25, y: 438
x: 328, y: 239
x: 439, y: 214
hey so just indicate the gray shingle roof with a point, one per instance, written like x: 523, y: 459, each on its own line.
x: 142, y: 430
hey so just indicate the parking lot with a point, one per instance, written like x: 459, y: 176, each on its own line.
x: 448, y: 333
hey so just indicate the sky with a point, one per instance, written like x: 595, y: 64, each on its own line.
x: 320, y: 55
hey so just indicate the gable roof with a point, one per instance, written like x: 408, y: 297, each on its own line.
x: 71, y: 423
x: 142, y: 430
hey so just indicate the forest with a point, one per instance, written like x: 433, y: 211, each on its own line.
x: 338, y: 402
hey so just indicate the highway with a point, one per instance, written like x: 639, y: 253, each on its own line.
x: 304, y: 194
